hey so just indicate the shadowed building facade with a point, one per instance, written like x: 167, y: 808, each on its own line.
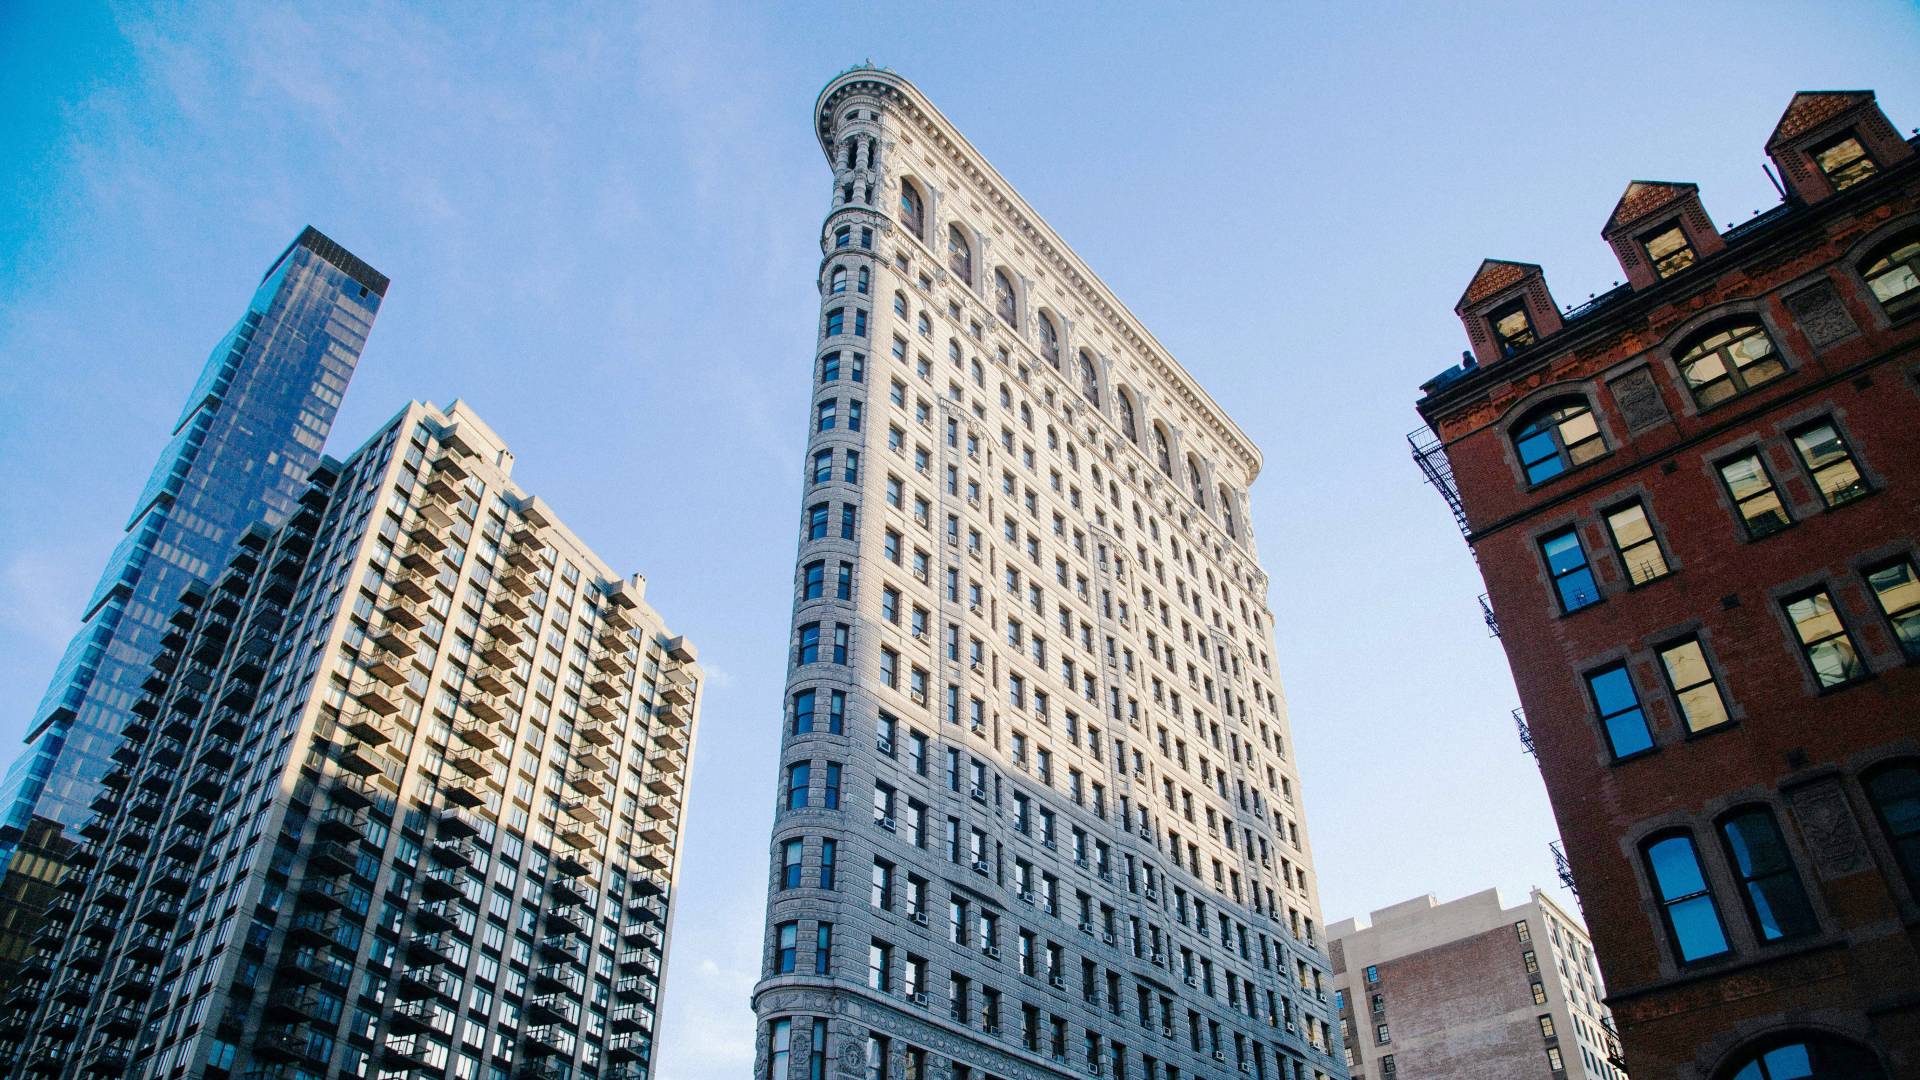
x: 1469, y: 988
x: 401, y: 797
x: 1037, y: 810
x: 250, y: 433
x: 1695, y: 501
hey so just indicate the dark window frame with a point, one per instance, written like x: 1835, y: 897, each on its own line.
x: 1667, y: 903
x: 1746, y: 876
x: 1843, y: 635
x: 1753, y: 532
x: 1721, y: 342
x: 1859, y: 489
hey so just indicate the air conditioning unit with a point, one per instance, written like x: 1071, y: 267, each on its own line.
x: 973, y: 500
x: 919, y: 696
x: 991, y: 1029
x: 979, y: 793
x: 992, y: 951
x: 1056, y: 979
x: 919, y: 635
x: 884, y: 822
x: 919, y: 918
x: 980, y: 867
x: 919, y: 998
x: 1146, y: 832
x: 1244, y: 1067
x: 885, y: 746
x: 1219, y: 1055
x: 1106, y: 875
x: 976, y: 665
x: 979, y: 729
x: 1086, y: 928
x: 1153, y: 893
x: 1026, y: 898
x: 1193, y: 980
x: 1050, y: 845
x: 1080, y: 861
x: 1166, y: 1033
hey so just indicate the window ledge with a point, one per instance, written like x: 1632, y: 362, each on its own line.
x: 1530, y: 488
x: 1694, y: 736
x: 1597, y: 602
x: 1634, y: 586
x: 1637, y: 755
x: 1837, y: 688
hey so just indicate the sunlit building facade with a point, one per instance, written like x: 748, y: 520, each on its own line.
x: 1037, y: 809
x: 401, y: 797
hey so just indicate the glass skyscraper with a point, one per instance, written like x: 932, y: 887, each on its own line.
x: 242, y: 450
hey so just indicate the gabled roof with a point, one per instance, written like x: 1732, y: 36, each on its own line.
x: 1811, y: 108
x: 1643, y: 197
x: 1493, y: 276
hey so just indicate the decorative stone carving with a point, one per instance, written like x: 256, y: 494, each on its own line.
x: 853, y: 1058
x: 1820, y: 314
x: 1639, y: 399
x: 1829, y: 829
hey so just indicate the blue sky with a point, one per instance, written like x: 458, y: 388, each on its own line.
x: 602, y: 228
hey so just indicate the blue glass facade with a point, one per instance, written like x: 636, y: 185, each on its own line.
x: 241, y: 451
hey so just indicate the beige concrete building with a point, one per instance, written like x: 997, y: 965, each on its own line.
x: 1037, y: 810
x: 1468, y: 990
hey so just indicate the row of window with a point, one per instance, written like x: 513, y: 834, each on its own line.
x: 1760, y: 870
x: 1824, y: 642
x: 1721, y: 363
x: 1088, y: 371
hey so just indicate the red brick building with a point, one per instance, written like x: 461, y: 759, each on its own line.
x: 1695, y: 501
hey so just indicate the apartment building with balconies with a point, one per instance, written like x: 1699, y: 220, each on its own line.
x: 401, y: 797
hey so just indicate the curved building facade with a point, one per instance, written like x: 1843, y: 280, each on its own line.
x: 1037, y: 810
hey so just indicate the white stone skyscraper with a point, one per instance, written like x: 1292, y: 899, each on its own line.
x: 1038, y: 814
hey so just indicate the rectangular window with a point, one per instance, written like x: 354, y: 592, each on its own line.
x: 1754, y: 495
x: 1691, y: 679
x: 1896, y: 587
x: 831, y: 799
x: 1639, y: 549
x: 1843, y: 161
x: 797, y: 775
x: 1824, y: 641
x: 1668, y: 250
x: 817, y: 519
x: 1826, y: 457
x: 836, y: 322
x: 1546, y: 1027
x: 822, y: 965
x: 803, y: 712
x: 830, y: 367
x: 1512, y: 330
x: 1619, y: 710
x: 1567, y: 565
x: 1554, y: 1062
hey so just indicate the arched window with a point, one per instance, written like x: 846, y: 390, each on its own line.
x: 1049, y: 339
x: 900, y: 304
x: 1089, y: 378
x: 1162, y: 456
x: 1729, y: 361
x: 837, y: 280
x: 1003, y: 296
x: 1893, y: 273
x: 1556, y: 437
x: 853, y: 151
x: 1128, y: 427
x: 913, y: 212
x: 1226, y: 512
x: 959, y: 254
x: 1894, y: 791
x: 1197, y: 477
x: 1804, y: 1056
x: 1776, y: 903
x: 1686, y: 903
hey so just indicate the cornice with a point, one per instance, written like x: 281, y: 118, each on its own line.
x: 994, y: 188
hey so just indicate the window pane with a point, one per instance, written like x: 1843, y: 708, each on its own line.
x: 1895, y: 794
x: 1775, y: 901
x: 1675, y: 870
x: 1619, y: 708
x: 1745, y: 477
x: 1897, y: 588
x: 1693, y: 686
x: 1703, y: 707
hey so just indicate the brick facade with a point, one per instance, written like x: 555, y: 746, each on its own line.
x: 1791, y: 746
